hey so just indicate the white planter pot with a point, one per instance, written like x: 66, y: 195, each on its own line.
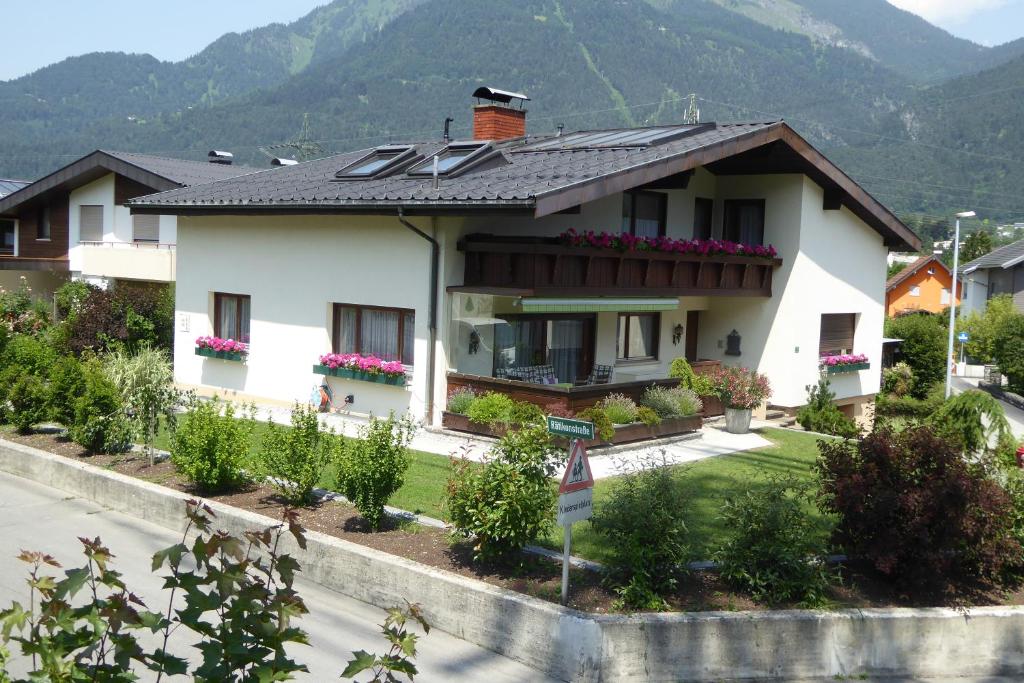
x: 737, y: 420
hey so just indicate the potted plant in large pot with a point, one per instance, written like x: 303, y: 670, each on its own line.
x: 741, y: 390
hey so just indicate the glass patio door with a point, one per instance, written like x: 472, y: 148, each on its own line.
x: 564, y: 342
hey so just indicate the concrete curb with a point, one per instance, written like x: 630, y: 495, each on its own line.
x: 573, y: 646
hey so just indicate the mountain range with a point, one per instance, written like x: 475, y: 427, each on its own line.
x: 929, y: 122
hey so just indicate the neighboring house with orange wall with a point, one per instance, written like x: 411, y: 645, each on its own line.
x: 924, y: 285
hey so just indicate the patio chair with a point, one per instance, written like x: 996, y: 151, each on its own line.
x: 601, y: 374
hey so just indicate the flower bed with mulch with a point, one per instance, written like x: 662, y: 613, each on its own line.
x: 528, y: 574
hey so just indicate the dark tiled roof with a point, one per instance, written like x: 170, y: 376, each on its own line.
x: 913, y: 268
x: 9, y: 186
x: 182, y: 171
x: 517, y: 178
x: 997, y: 258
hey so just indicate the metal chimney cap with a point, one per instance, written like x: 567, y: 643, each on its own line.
x: 219, y: 153
x: 495, y: 95
x: 278, y: 161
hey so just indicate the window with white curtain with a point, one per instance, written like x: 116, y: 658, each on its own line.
x: 744, y: 221
x: 638, y: 336
x: 231, y: 316
x: 387, y: 333
x: 644, y: 213
x: 90, y: 223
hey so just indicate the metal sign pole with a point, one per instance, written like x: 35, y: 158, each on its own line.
x: 565, y: 564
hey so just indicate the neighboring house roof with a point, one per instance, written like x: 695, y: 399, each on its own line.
x: 1003, y: 257
x: 913, y: 269
x: 160, y: 173
x: 542, y: 174
x: 8, y: 186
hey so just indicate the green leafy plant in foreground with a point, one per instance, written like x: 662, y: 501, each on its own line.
x: 236, y: 593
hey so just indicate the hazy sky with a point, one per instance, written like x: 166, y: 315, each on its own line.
x: 175, y: 30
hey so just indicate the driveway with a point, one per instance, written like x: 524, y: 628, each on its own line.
x: 36, y: 517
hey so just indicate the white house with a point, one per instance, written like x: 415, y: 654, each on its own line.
x: 1001, y: 271
x: 451, y: 258
x: 73, y: 223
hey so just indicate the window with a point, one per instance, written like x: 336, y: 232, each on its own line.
x: 90, y: 223
x: 702, y: 209
x: 450, y: 158
x: 6, y: 238
x: 915, y: 290
x: 944, y: 297
x: 643, y: 213
x: 564, y: 342
x: 376, y: 162
x: 231, y: 316
x: 837, y: 333
x: 638, y: 336
x: 43, y: 223
x: 387, y: 333
x: 145, y: 228
x: 744, y: 221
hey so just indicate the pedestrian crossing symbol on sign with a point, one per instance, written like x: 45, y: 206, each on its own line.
x: 577, y: 472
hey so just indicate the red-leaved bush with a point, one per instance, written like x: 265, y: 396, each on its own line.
x: 917, y: 510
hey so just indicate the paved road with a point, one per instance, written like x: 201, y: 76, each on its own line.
x: 36, y: 517
x: 1014, y: 415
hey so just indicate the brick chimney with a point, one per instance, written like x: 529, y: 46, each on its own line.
x: 498, y: 122
x: 497, y: 119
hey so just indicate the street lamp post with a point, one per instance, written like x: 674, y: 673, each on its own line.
x: 952, y: 301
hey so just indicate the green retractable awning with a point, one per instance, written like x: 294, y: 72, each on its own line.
x: 597, y: 305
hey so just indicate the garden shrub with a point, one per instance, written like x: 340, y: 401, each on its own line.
x: 740, y: 388
x: 67, y: 384
x: 460, y: 400
x: 985, y: 327
x: 146, y: 382
x: 973, y: 419
x: 21, y: 312
x: 908, y: 406
x: 372, y: 468
x: 128, y: 316
x: 642, y: 523
x: 682, y: 370
x: 620, y: 409
x: 23, y: 355
x: 898, y: 380
x: 772, y: 551
x: 648, y: 416
x: 669, y: 402
x: 916, y: 509
x: 821, y: 414
x: 509, y: 500
x: 100, y: 424
x: 1009, y: 351
x: 923, y: 348
x: 492, y: 408
x: 210, y: 446
x: 556, y: 409
x: 296, y: 458
x: 604, y: 428
x: 70, y: 297
x: 28, y: 399
x: 524, y: 414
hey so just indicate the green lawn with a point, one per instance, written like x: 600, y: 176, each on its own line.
x: 707, y: 483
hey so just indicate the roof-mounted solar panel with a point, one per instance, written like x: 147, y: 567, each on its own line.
x: 618, y: 138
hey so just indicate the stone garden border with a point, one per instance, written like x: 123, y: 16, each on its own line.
x: 574, y: 646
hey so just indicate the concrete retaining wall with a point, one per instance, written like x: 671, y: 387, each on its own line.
x: 570, y: 645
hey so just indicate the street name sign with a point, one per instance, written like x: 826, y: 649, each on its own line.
x: 963, y: 337
x: 574, y: 429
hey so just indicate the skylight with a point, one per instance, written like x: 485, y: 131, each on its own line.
x: 450, y: 158
x: 375, y: 162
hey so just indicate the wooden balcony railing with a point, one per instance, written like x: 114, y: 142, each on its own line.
x: 545, y: 267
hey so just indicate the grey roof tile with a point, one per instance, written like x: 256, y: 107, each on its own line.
x: 182, y: 171
x: 523, y: 175
x: 997, y: 257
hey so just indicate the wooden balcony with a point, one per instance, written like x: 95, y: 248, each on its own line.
x: 527, y: 266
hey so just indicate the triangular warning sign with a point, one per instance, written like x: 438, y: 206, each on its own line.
x: 577, y: 472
